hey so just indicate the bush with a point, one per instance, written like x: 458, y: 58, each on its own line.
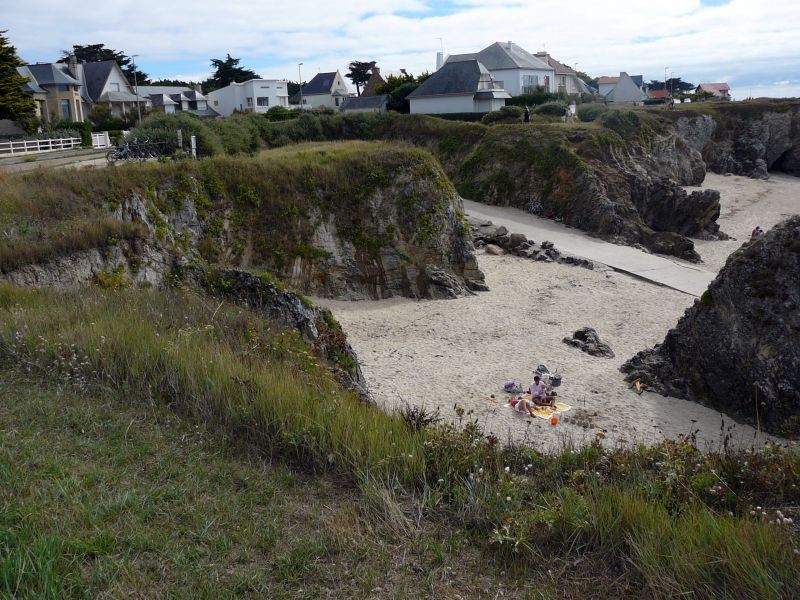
x: 590, y: 112
x: 507, y: 114
x: 552, y: 109
x: 160, y: 127
x: 540, y: 97
x: 281, y: 113
x: 625, y: 123
x: 84, y: 130
x: 239, y: 134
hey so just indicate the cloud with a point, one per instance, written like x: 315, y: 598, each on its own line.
x: 743, y: 41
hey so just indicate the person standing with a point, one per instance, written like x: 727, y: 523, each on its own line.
x: 526, y: 115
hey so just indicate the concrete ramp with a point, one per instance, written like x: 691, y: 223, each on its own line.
x: 673, y: 273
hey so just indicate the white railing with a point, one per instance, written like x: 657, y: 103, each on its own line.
x: 101, y: 140
x: 15, y: 147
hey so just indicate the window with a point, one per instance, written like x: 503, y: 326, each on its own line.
x: 62, y: 88
x: 337, y: 102
x: 65, y: 109
x: 262, y: 101
x: 216, y: 102
x: 249, y: 101
x: 114, y: 87
x: 530, y: 83
x: 562, y: 80
x: 280, y: 87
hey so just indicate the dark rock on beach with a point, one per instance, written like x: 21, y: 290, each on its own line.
x: 736, y: 348
x: 587, y: 340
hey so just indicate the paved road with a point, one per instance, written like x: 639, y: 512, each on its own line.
x: 676, y: 274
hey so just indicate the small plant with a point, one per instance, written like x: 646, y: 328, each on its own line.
x: 115, y: 279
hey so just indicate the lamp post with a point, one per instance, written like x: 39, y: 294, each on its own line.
x: 671, y: 82
x: 665, y: 78
x: 300, y: 81
x: 136, y: 88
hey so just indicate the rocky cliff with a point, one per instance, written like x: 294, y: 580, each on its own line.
x: 620, y: 179
x: 352, y: 221
x: 745, y: 138
x: 737, y: 348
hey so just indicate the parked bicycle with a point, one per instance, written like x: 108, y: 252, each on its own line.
x: 142, y: 149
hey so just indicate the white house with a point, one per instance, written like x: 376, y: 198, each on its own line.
x: 105, y: 83
x: 175, y: 98
x: 460, y: 86
x: 325, y: 89
x: 514, y: 69
x: 566, y: 79
x: 256, y: 95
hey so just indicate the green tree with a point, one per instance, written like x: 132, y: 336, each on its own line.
x: 99, y: 53
x: 15, y: 104
x: 587, y: 79
x: 359, y: 73
x: 676, y: 85
x: 399, y: 87
x: 172, y: 82
x: 226, y: 72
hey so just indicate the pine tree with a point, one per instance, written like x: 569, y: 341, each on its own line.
x: 15, y: 103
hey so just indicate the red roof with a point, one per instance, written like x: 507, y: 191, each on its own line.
x: 658, y: 93
x: 718, y: 89
x: 607, y: 80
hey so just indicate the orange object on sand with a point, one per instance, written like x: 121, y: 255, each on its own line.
x: 554, y: 420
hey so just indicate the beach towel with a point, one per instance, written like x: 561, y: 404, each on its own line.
x: 545, y: 412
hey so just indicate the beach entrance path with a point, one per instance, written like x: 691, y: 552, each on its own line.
x: 671, y: 272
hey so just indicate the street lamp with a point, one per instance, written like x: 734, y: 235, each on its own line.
x: 665, y: 78
x: 300, y: 81
x: 136, y: 88
x: 671, y: 82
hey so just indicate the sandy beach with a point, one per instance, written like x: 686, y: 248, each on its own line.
x: 444, y: 354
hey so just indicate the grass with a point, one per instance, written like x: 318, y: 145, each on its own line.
x: 668, y: 519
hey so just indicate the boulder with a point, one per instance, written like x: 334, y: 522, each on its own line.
x: 495, y: 250
x: 516, y: 239
x: 587, y: 340
x: 736, y: 348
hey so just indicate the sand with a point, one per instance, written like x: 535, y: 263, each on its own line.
x: 456, y: 353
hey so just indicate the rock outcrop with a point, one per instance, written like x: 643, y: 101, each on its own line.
x: 737, y: 348
x: 747, y: 139
x: 497, y: 240
x: 586, y: 340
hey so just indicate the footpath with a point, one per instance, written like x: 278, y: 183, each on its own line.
x: 670, y: 272
x: 49, y: 160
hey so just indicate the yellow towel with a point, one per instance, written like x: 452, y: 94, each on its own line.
x: 545, y: 412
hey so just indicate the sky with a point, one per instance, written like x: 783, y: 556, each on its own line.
x: 754, y: 45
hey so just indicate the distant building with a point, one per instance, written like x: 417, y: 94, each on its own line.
x: 375, y: 80
x: 365, y: 104
x: 626, y: 91
x: 325, y: 89
x: 256, y: 95
x: 176, y: 98
x: 566, y: 78
x: 57, y: 89
x: 513, y: 68
x: 719, y: 90
x: 661, y: 94
x: 460, y: 86
x: 606, y: 84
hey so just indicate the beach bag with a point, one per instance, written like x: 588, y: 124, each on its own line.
x: 512, y: 387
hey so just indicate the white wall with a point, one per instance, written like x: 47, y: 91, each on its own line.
x: 117, y: 83
x: 235, y: 96
x: 438, y: 105
x: 513, y: 79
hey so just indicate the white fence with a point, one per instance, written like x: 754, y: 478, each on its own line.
x: 101, y: 140
x: 15, y: 147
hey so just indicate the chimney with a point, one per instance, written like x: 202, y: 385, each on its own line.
x: 509, y: 45
x: 376, y: 70
x: 439, y: 60
x: 72, y: 63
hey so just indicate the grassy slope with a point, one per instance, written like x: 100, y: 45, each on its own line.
x: 668, y: 519
x: 102, y: 497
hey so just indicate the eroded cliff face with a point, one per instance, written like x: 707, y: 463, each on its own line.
x: 747, y: 139
x: 365, y: 222
x: 737, y: 348
x: 627, y: 189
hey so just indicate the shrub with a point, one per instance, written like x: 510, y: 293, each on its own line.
x: 507, y: 114
x: 591, y: 112
x: 164, y: 128
x: 84, y: 130
x: 552, y: 109
x: 625, y: 123
x: 539, y: 97
x: 239, y: 134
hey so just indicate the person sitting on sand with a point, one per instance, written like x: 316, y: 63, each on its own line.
x: 539, y: 392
